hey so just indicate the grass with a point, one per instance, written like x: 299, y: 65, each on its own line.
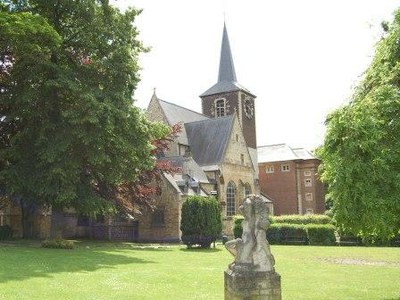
x: 96, y: 270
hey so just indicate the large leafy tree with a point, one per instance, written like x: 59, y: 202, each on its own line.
x: 69, y: 133
x: 361, y: 151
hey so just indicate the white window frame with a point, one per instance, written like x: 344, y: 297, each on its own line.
x: 307, y: 173
x: 308, y: 196
x: 269, y: 169
x: 220, y: 110
x: 307, y: 182
x: 309, y: 211
x: 285, y: 168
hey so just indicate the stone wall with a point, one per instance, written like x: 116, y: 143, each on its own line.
x: 170, y: 204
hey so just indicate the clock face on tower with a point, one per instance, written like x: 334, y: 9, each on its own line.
x: 248, y: 107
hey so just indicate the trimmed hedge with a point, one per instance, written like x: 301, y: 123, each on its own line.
x: 58, y: 244
x: 321, y: 234
x: 301, y: 219
x: 201, y: 222
x: 5, y: 232
x: 287, y: 234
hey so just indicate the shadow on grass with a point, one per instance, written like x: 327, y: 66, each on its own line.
x: 202, y: 250
x: 20, y: 263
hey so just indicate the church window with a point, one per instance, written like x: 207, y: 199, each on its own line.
x: 230, y: 199
x: 220, y: 108
x: 247, y: 189
x: 158, y: 218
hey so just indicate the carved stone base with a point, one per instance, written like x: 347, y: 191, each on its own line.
x: 252, y: 285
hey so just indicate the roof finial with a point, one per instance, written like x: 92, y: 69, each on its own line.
x: 154, y: 93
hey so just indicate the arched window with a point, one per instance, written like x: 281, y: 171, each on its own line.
x: 230, y: 199
x: 220, y: 108
x: 247, y: 190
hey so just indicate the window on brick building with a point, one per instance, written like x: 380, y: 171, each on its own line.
x: 269, y: 169
x: 308, y: 182
x: 309, y: 196
x: 309, y: 211
x: 220, y: 108
x: 285, y: 168
x: 230, y: 199
x: 307, y: 173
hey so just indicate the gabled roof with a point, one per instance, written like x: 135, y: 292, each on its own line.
x: 176, y: 114
x: 208, y: 139
x: 282, y: 152
x: 227, y: 81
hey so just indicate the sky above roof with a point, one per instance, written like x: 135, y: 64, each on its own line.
x: 300, y: 58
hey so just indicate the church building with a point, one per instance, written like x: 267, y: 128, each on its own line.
x: 216, y: 151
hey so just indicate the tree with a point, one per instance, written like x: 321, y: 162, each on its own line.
x: 201, y: 221
x: 361, y: 151
x: 70, y: 135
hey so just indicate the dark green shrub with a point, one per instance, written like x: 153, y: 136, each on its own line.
x: 321, y: 234
x: 291, y: 234
x: 237, y: 226
x: 201, y: 222
x: 5, y: 232
x: 301, y: 219
x: 274, y: 234
x: 58, y: 244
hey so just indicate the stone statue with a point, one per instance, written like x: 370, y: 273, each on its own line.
x: 252, y: 251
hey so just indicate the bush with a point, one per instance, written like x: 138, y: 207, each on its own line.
x: 321, y: 234
x: 301, y: 219
x: 201, y: 222
x: 293, y: 234
x: 5, y: 232
x: 58, y: 244
x: 274, y: 233
x: 237, y: 226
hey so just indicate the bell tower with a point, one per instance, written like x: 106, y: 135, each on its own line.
x: 227, y: 96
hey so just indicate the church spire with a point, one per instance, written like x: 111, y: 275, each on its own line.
x: 226, y: 66
x: 227, y: 81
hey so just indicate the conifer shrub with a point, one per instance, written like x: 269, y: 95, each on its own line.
x: 321, y: 234
x: 201, y: 222
x: 237, y: 226
x: 5, y: 232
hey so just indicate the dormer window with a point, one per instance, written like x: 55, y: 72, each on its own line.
x: 220, y: 108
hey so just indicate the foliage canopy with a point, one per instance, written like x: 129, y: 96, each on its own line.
x: 69, y: 132
x: 361, y: 151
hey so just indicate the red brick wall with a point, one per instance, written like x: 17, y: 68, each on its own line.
x: 280, y: 187
x: 283, y: 187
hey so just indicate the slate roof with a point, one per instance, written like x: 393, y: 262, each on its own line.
x: 282, y: 152
x: 188, y: 167
x: 227, y: 81
x: 175, y: 113
x: 208, y: 139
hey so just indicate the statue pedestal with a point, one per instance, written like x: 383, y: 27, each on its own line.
x: 252, y: 285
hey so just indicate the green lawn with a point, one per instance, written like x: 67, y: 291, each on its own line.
x: 130, y: 271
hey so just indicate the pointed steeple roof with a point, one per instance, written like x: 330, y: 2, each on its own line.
x: 227, y: 81
x: 226, y: 66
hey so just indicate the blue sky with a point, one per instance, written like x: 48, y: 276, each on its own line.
x: 301, y: 58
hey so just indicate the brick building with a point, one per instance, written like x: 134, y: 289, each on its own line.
x: 289, y: 177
